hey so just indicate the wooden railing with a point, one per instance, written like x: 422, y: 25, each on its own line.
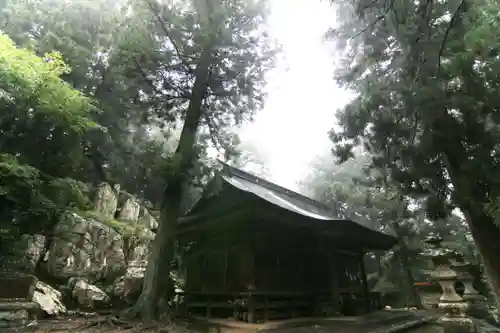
x: 258, y: 306
x: 247, y: 306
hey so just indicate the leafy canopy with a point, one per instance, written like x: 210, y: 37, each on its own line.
x: 35, y: 84
x: 43, y: 121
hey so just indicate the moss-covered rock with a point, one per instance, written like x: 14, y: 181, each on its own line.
x: 85, y: 247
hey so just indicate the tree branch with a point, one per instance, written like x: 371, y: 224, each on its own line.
x: 151, y: 82
x: 163, y: 25
x: 378, y: 19
x: 447, y: 32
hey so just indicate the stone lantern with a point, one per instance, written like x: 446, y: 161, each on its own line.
x: 476, y: 301
x: 463, y: 270
x: 454, y: 306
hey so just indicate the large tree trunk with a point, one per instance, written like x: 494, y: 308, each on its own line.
x: 486, y: 235
x: 471, y: 199
x: 157, y: 280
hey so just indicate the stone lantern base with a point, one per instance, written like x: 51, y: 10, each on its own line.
x: 455, y: 320
x: 457, y: 325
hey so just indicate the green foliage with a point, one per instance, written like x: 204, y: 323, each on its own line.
x: 151, y: 68
x: 136, y: 60
x: 31, y: 201
x: 16, y: 177
x: 43, y: 121
x: 170, y: 39
x: 350, y: 187
x: 88, y: 35
x: 34, y: 84
x: 400, y: 84
x: 427, y: 105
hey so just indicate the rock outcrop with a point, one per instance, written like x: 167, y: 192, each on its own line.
x: 130, y: 208
x: 85, y: 248
x: 147, y: 220
x: 91, y: 257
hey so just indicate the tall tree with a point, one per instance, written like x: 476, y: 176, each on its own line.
x: 210, y: 61
x: 426, y: 74
x: 93, y: 37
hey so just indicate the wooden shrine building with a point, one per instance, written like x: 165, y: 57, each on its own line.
x: 256, y: 251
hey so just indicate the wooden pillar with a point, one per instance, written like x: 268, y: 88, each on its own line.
x: 333, y: 264
x: 278, y: 272
x: 366, y: 291
x: 251, y: 266
x: 225, y: 276
x: 251, y: 308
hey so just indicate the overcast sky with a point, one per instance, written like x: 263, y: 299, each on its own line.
x: 292, y: 129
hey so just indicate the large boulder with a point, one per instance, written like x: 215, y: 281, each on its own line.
x: 127, y: 288
x: 83, y: 247
x: 87, y: 295
x: 48, y: 299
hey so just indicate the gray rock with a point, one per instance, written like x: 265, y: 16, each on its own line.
x: 48, y: 299
x: 129, y: 285
x: 130, y: 210
x: 106, y: 200
x: 83, y: 247
x: 138, y: 248
x: 147, y: 220
x: 88, y: 295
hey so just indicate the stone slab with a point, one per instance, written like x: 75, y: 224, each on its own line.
x: 13, y: 318
x: 17, y: 287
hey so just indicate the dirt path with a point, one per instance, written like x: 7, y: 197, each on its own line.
x: 109, y: 324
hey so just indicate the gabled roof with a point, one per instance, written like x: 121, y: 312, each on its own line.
x: 234, y: 178
x: 288, y: 199
x: 278, y: 195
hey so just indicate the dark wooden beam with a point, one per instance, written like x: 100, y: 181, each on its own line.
x: 366, y: 290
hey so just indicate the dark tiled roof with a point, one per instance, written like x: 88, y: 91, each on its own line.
x: 288, y: 199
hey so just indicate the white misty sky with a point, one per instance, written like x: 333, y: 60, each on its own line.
x: 302, y: 97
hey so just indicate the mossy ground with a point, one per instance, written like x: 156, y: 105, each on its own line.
x: 124, y: 228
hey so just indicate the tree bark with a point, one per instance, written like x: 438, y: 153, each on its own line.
x: 486, y: 236
x: 157, y: 282
x: 472, y: 200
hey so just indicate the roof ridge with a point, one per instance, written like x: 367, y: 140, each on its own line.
x: 270, y: 185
